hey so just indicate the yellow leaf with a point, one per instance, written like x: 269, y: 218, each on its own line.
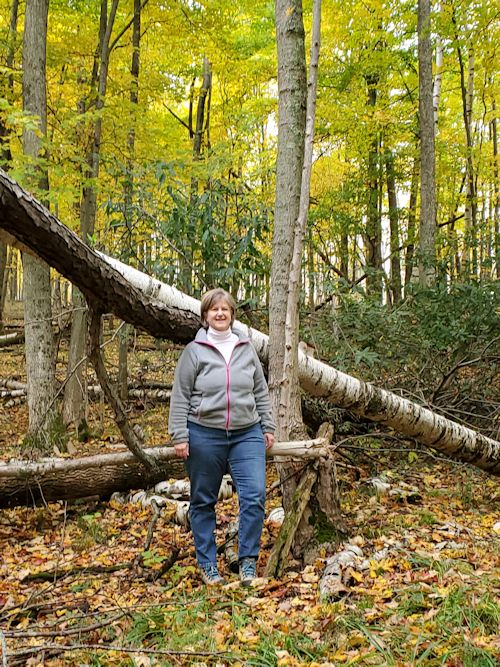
x: 248, y: 635
x: 340, y: 656
x: 356, y: 639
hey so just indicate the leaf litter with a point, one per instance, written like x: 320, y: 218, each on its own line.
x: 78, y: 586
x: 422, y: 587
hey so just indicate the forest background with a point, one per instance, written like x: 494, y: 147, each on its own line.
x: 193, y: 132
x: 167, y: 162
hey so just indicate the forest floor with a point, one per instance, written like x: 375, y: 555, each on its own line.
x: 77, y: 588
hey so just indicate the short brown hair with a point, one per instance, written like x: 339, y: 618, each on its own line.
x: 212, y: 297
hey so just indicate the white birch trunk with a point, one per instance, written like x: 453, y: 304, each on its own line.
x: 24, y: 482
x: 163, y: 310
x: 319, y: 379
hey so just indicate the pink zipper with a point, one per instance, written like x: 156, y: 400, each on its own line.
x: 227, y: 393
x: 203, y: 342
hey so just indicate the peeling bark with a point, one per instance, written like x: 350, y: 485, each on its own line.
x: 165, y: 312
x: 39, y: 232
x: 32, y: 483
x: 35, y: 482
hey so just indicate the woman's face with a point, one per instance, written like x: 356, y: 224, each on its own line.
x: 219, y: 315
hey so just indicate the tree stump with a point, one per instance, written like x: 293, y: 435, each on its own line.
x: 316, y: 497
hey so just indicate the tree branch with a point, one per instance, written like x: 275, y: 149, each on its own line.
x: 130, y: 437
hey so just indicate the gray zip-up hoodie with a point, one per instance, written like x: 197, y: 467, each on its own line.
x: 210, y: 392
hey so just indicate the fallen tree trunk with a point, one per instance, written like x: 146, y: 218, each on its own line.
x: 318, y: 379
x: 152, y: 391
x: 165, y: 312
x: 39, y: 232
x: 14, y: 338
x: 30, y: 482
x: 35, y: 482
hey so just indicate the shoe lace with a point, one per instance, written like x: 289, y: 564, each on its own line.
x: 248, y: 568
x: 210, y: 570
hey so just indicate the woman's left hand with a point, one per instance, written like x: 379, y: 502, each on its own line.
x: 269, y: 440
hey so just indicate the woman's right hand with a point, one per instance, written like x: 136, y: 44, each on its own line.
x: 182, y: 450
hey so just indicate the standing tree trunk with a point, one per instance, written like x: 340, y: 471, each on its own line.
x: 427, y: 247
x: 74, y: 393
x: 467, y: 91
x: 395, y: 283
x: 292, y: 102
x: 166, y: 313
x: 292, y: 106
x: 297, y: 109
x: 344, y: 256
x: 3, y: 280
x: 412, y: 221
x: 373, y: 232
x: 7, y: 88
x: 129, y: 185
x: 200, y: 134
x: 496, y: 193
x: 438, y: 77
x: 6, y: 91
x: 40, y: 366
x: 311, y: 271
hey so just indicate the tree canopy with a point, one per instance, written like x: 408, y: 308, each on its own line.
x: 201, y: 215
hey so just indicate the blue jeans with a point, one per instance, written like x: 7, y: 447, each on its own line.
x: 212, y: 453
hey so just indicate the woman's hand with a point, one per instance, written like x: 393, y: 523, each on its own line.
x: 182, y: 450
x: 269, y: 440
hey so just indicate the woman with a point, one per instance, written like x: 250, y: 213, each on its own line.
x: 220, y: 420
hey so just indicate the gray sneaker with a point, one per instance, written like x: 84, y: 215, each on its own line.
x: 248, y: 571
x: 210, y: 574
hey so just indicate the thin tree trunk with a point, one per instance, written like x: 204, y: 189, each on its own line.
x: 129, y: 186
x: 8, y: 84
x: 438, y: 76
x: 396, y: 292
x: 14, y: 259
x: 122, y: 379
x: 467, y: 91
x: 496, y: 192
x: 311, y: 272
x: 373, y: 232
x: 427, y: 249
x: 344, y: 256
x: 74, y: 394
x: 202, y: 110
x: 5, y: 152
x: 165, y: 312
x: 3, y: 281
x: 200, y: 141
x: 39, y: 343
